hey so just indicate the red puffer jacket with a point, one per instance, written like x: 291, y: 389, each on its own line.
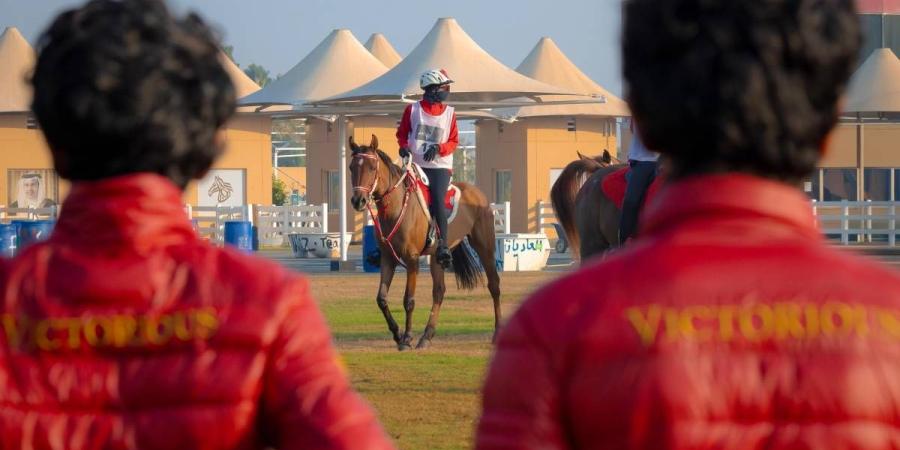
x: 125, y: 331
x: 729, y: 324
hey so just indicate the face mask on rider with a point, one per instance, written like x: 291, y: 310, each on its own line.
x: 436, y: 95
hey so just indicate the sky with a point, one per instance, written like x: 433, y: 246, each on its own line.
x: 278, y: 33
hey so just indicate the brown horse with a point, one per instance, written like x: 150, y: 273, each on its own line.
x: 377, y: 181
x: 589, y: 218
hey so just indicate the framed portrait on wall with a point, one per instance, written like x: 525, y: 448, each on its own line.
x: 225, y: 187
x: 32, y: 188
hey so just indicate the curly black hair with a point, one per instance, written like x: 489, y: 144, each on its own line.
x: 747, y: 86
x: 122, y: 86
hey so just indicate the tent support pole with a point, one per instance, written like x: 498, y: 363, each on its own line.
x: 860, y: 160
x: 342, y: 169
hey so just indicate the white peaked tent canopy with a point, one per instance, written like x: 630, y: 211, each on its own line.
x: 16, y: 62
x: 478, y: 76
x: 243, y: 85
x: 337, y: 64
x: 875, y: 87
x: 549, y: 64
x: 379, y: 46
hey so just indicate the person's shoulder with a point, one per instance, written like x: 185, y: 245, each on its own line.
x: 858, y: 267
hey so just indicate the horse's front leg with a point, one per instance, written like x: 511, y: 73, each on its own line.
x: 388, y: 267
x: 409, y: 304
x: 437, y: 298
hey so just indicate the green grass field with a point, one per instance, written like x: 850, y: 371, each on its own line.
x: 426, y: 399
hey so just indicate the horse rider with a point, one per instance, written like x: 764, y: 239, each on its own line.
x: 644, y: 165
x: 428, y: 132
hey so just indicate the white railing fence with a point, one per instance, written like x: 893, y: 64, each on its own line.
x: 850, y: 222
x: 501, y: 217
x: 546, y: 218
x: 858, y: 222
x: 275, y: 223
x: 209, y: 221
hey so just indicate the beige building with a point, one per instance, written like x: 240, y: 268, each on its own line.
x: 322, y: 163
x: 519, y: 162
x: 249, y: 147
x: 23, y: 148
x: 862, y: 160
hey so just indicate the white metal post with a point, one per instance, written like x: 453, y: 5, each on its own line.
x: 821, y: 175
x: 506, y: 217
x: 867, y: 231
x: 324, y: 217
x: 892, y: 239
x: 342, y: 168
x: 845, y: 213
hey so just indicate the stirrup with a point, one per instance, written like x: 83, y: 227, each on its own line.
x: 444, y: 256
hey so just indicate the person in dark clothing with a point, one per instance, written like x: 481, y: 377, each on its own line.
x: 644, y: 166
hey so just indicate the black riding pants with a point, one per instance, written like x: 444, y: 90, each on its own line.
x: 438, y: 182
x: 639, y: 179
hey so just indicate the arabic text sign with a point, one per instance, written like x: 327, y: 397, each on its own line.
x: 522, y: 252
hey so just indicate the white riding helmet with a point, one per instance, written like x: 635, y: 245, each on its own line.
x: 434, y: 76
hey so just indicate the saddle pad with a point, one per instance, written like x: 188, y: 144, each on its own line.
x: 451, y: 201
x: 614, y: 187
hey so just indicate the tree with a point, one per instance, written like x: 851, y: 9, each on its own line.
x: 229, y: 51
x: 258, y: 73
x: 279, y: 191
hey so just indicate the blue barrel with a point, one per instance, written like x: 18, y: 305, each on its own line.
x: 8, y: 238
x: 17, y: 223
x: 33, y: 231
x: 239, y: 234
x: 371, y: 253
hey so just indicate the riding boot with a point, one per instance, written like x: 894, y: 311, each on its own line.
x: 443, y: 255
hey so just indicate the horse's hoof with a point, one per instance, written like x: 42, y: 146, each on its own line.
x: 403, y: 347
x: 423, y: 343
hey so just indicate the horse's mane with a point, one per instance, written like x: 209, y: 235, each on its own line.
x: 393, y: 168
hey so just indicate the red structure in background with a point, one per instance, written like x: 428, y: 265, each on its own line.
x: 878, y: 6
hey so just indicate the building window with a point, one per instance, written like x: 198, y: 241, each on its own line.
x: 289, y: 142
x: 502, y: 186
x: 877, y: 184
x: 839, y: 184
x: 570, y: 125
x: 333, y: 189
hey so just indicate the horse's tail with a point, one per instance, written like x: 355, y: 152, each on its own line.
x: 564, y: 192
x: 469, y: 272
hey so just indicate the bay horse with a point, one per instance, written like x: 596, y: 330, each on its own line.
x: 589, y: 218
x: 401, y: 228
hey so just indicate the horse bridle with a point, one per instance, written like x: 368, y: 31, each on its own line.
x: 369, y: 192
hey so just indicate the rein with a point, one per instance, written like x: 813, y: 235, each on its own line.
x: 370, y: 193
